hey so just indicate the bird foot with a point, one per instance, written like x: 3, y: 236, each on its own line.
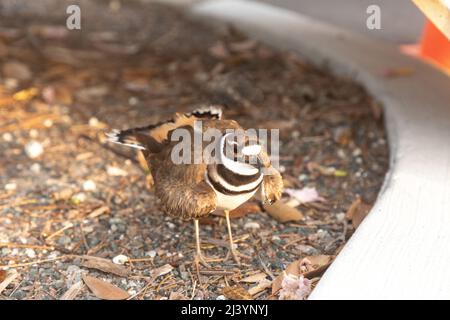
x: 236, y: 256
x: 200, y: 259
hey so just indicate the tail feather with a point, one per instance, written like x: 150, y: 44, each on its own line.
x: 125, y: 138
x: 152, y: 138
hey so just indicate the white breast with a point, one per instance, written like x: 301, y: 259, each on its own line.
x: 230, y: 202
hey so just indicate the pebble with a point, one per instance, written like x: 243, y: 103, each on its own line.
x: 340, y: 216
x: 33, y: 133
x: 120, y: 259
x: 8, y: 137
x: 115, y: 171
x: 30, y: 253
x: 48, y: 123
x: 34, y: 149
x: 132, y: 101
x: 151, y: 253
x: 10, y: 186
x: 170, y: 225
x: 89, y: 185
x: 35, y: 167
x: 276, y: 238
x: 78, y: 198
x: 93, y: 122
x: 252, y: 225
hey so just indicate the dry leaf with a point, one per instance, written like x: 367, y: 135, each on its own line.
x: 304, y: 195
x: 254, y: 278
x: 357, y: 211
x: 105, y: 290
x: 73, y: 291
x: 326, y: 171
x: 25, y: 95
x: 294, y: 287
x: 104, y: 265
x: 165, y: 269
x: 244, y: 209
x: 309, y: 267
x: 2, y: 275
x: 98, y: 212
x: 177, y: 296
x: 262, y: 285
x: 16, y: 70
x: 10, y: 277
x: 236, y: 293
x: 283, y: 213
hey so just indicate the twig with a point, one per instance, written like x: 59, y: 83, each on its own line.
x: 10, y: 278
x: 263, y: 265
x: 54, y: 234
x: 18, y: 265
x: 27, y: 246
x: 217, y: 272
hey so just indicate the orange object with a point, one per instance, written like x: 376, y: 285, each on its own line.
x: 435, y: 46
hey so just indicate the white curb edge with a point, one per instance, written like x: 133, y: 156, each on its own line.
x: 402, y: 249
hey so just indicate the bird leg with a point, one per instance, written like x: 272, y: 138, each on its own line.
x: 199, y: 258
x: 233, y: 251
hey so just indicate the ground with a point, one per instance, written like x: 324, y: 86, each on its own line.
x: 68, y: 197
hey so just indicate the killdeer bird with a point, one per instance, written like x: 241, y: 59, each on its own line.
x: 194, y: 190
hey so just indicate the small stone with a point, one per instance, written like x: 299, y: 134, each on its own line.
x: 340, y: 216
x: 132, y: 101
x: 48, y: 123
x: 78, y: 198
x: 151, y: 253
x: 93, y: 122
x: 34, y: 149
x: 221, y: 297
x: 8, y: 137
x: 120, y: 259
x: 10, y: 186
x: 303, y: 177
x: 114, y: 171
x: 30, y: 253
x: 356, y: 152
x: 33, y: 133
x: 276, y: 238
x: 35, y: 167
x: 252, y: 225
x: 89, y: 185
x: 170, y: 225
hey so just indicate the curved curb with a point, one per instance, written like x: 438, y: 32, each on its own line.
x: 402, y: 249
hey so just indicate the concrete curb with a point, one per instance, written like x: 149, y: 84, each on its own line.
x: 402, y: 249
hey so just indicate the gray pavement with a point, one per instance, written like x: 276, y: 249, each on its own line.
x: 401, y: 20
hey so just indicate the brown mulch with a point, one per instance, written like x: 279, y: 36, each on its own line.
x: 82, y: 198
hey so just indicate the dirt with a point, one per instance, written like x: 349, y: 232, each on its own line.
x: 60, y: 90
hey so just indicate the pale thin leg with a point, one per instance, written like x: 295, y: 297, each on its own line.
x: 233, y: 251
x: 198, y: 256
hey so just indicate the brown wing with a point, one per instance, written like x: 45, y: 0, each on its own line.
x: 272, y: 185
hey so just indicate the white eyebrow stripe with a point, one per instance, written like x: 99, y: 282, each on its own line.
x: 252, y: 150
